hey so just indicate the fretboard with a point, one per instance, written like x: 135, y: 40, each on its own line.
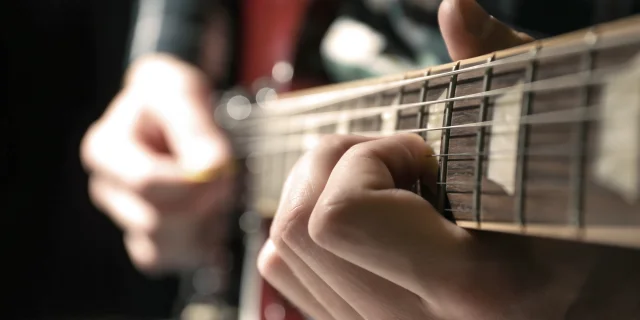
x: 539, y: 140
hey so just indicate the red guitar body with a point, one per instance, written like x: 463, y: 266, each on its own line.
x: 271, y: 33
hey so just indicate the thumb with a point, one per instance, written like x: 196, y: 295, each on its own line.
x: 469, y: 31
x: 176, y: 96
x: 200, y: 147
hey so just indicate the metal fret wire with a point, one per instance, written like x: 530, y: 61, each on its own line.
x: 444, y: 162
x: 378, y: 100
x: 578, y: 167
x: 399, y: 119
x: 477, y: 191
x: 523, y: 143
x: 422, y: 113
x: 548, y: 52
x: 400, y: 98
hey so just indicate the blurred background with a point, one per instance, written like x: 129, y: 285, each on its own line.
x: 63, y: 62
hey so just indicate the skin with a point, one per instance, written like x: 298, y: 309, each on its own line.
x: 348, y: 241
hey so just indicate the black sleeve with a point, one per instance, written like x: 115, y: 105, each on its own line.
x: 174, y: 27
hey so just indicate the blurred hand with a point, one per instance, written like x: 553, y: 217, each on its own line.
x: 350, y: 242
x: 159, y: 166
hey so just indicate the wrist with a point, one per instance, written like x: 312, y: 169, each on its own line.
x: 509, y: 276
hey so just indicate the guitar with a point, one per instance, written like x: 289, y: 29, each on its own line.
x: 528, y: 141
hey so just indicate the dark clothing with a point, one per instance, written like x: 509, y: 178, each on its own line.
x: 181, y: 27
x: 63, y: 61
x: 64, y: 64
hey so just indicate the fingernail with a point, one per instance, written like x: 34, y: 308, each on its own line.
x: 476, y: 20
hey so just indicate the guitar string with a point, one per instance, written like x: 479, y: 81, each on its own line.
x: 293, y: 142
x: 553, y: 151
x: 292, y: 105
x: 458, y: 98
x: 306, y: 122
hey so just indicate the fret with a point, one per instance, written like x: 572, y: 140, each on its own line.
x: 390, y: 119
x: 579, y: 159
x: 375, y: 125
x: 423, y: 113
x: 368, y: 123
x: 400, y: 100
x: 444, y: 161
x: 355, y: 125
x: 420, y: 123
x: 616, y: 165
x: 344, y: 124
x: 480, y: 141
x: 523, y: 144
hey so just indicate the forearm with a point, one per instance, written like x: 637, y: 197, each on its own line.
x: 548, y: 279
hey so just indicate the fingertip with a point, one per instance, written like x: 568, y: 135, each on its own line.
x: 470, y: 31
x: 445, y: 13
x: 463, y: 24
x: 268, y: 260
x: 143, y: 253
x: 417, y: 145
x: 423, y: 159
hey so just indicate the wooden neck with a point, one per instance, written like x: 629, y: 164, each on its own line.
x: 574, y: 179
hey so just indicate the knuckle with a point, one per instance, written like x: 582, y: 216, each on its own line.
x: 144, y: 254
x: 334, y: 144
x: 327, y: 224
x: 95, y: 194
x: 331, y: 149
x: 141, y: 182
x: 289, y: 226
x: 269, y: 262
x: 359, y: 151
